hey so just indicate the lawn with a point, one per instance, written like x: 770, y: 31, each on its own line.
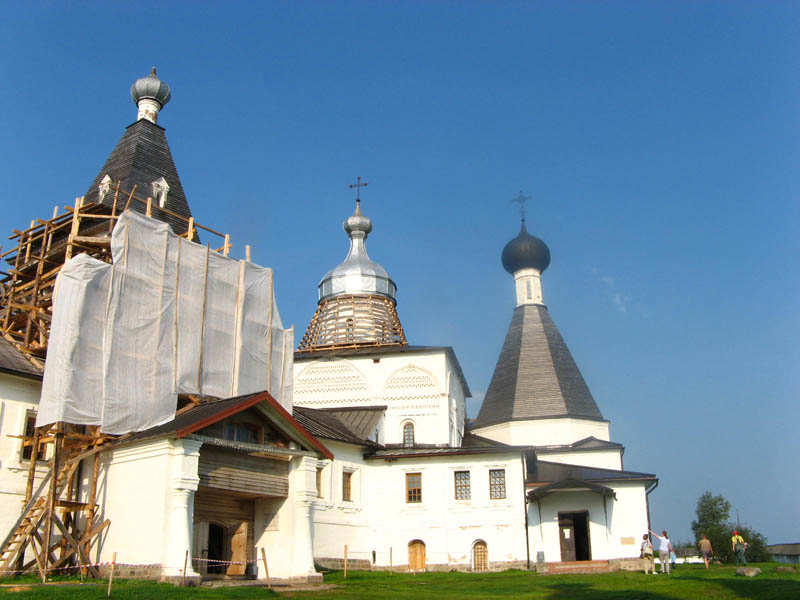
x: 687, y: 582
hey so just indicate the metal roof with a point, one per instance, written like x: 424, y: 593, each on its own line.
x: 361, y: 420
x: 208, y: 413
x: 13, y: 361
x: 536, y: 376
x: 589, y: 443
x: 325, y: 424
x: 141, y: 157
x: 544, y: 472
x: 419, y: 452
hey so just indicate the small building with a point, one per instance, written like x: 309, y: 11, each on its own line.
x: 785, y: 553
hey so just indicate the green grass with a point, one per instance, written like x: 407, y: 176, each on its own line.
x: 688, y: 582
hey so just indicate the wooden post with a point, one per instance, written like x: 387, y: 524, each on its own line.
x: 390, y: 561
x: 50, y: 507
x: 185, y: 560
x: 149, y: 210
x: 247, y: 253
x: 111, y: 575
x: 266, y: 568
x: 345, y: 561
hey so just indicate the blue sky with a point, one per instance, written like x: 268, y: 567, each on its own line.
x: 658, y: 140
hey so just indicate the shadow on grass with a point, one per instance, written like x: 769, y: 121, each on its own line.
x: 761, y: 587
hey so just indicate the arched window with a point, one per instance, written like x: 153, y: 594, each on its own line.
x: 408, y: 435
x: 350, y: 327
x: 480, y: 556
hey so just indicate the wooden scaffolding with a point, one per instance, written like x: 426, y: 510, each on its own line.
x: 55, y: 526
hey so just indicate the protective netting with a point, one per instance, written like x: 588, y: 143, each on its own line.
x: 168, y: 316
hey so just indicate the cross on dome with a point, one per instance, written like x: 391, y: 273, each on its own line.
x: 358, y: 185
x: 521, y: 200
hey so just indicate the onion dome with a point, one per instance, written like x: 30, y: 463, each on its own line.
x: 357, y: 274
x: 525, y: 251
x: 150, y: 94
x: 152, y: 88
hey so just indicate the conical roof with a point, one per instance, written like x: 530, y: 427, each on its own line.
x: 536, y: 376
x: 140, y: 158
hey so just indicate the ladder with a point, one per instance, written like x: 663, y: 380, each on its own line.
x: 40, y: 513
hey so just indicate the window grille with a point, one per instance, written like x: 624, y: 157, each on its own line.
x: 408, y: 435
x: 30, y: 427
x: 462, y: 485
x: 347, y: 479
x: 413, y: 487
x: 319, y: 481
x: 497, y: 484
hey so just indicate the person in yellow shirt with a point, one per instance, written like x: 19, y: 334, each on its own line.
x: 737, y: 543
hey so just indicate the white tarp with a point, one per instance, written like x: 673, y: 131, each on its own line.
x: 168, y: 316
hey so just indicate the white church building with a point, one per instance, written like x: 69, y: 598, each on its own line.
x: 355, y: 446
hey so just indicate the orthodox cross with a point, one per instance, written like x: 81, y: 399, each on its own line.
x: 358, y: 187
x: 521, y: 200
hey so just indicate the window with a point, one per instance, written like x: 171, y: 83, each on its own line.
x: 408, y: 435
x: 350, y: 325
x: 413, y: 487
x: 497, y: 484
x: 242, y: 432
x: 30, y: 426
x: 462, y: 485
x: 347, y: 486
x: 319, y: 481
x: 528, y: 288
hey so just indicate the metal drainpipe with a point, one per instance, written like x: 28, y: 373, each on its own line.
x: 525, y: 508
x: 647, y: 502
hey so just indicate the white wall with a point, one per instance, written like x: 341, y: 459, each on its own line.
x: 338, y: 522
x: 604, y: 459
x: 627, y: 522
x: 417, y: 387
x: 449, y: 527
x: 18, y: 395
x: 545, y: 432
x: 284, y: 526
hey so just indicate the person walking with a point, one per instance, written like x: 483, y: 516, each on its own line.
x: 647, y: 555
x: 738, y: 545
x: 664, y: 548
x: 705, y: 549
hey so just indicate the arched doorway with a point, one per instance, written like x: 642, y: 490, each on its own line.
x: 416, y: 555
x: 480, y: 556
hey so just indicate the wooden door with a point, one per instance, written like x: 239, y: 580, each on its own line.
x: 238, y: 550
x: 566, y: 536
x: 416, y: 556
x: 480, y: 557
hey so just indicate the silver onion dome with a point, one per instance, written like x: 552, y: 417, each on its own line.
x: 357, y: 274
x: 150, y: 88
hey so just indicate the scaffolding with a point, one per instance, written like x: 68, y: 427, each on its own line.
x: 55, y: 526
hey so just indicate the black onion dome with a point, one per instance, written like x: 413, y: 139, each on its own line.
x: 525, y: 251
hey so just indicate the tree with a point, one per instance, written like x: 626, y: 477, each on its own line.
x: 713, y: 514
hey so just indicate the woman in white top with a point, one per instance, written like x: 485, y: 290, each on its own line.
x: 664, y: 548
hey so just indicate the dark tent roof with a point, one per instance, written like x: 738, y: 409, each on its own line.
x: 536, y: 376
x: 141, y: 157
